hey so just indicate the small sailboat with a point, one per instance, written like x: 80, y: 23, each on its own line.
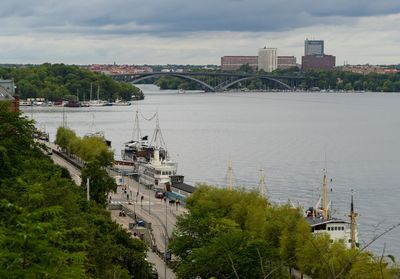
x: 99, y: 134
x: 98, y: 102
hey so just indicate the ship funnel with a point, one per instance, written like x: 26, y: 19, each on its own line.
x: 156, y: 158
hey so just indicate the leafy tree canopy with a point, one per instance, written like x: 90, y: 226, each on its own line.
x: 239, y: 234
x: 47, y: 228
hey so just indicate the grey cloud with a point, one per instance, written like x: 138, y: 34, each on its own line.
x: 121, y: 17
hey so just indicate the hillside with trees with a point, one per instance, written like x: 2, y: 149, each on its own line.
x: 58, y: 81
x: 47, y: 228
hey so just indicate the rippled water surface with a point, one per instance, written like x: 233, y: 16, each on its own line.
x: 292, y: 136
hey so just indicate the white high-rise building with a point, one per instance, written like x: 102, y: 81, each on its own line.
x: 268, y: 59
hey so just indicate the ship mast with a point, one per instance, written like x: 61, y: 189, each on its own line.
x: 324, y: 200
x: 157, y: 138
x: 91, y: 91
x: 262, y: 183
x: 353, y: 216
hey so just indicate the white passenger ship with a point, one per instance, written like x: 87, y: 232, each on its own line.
x: 157, y: 173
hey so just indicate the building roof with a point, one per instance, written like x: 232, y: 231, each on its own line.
x: 5, y: 95
x: 317, y: 221
x: 184, y: 187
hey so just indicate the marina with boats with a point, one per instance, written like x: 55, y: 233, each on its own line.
x: 74, y: 103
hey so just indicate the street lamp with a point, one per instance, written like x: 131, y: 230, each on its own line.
x: 165, y: 239
x: 88, y: 189
x: 149, y: 200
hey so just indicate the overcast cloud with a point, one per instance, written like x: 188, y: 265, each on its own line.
x: 194, y: 32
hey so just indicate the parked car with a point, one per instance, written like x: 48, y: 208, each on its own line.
x: 159, y: 194
x: 140, y: 223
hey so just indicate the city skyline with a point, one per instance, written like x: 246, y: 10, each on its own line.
x: 183, y: 32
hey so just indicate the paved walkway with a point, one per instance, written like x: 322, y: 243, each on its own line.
x: 158, y: 212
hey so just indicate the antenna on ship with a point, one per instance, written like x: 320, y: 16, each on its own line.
x: 353, y: 216
x: 262, y: 183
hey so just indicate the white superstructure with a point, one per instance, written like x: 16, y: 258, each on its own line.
x: 157, y: 173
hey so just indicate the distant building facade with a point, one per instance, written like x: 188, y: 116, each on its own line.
x: 119, y: 69
x: 316, y: 62
x: 7, y: 93
x: 313, y: 47
x: 368, y: 69
x: 286, y: 62
x: 8, y: 84
x: 233, y: 63
x: 267, y: 59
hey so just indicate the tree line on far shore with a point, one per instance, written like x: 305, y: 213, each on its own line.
x: 56, y: 82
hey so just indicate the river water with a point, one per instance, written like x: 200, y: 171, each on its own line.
x: 291, y: 136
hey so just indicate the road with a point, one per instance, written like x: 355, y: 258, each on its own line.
x: 160, y: 214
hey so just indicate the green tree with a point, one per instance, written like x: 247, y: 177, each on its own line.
x: 245, y: 68
x: 100, y: 182
x: 47, y: 228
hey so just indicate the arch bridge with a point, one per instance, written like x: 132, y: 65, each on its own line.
x: 211, y: 81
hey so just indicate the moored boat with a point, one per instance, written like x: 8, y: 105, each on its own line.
x: 121, y: 103
x: 139, y: 149
x: 157, y: 173
x: 321, y: 221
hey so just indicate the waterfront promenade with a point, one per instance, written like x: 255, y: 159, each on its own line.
x: 157, y: 212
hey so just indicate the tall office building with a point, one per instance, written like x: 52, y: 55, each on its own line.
x: 313, y: 47
x: 267, y: 59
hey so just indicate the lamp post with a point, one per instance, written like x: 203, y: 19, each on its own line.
x: 165, y: 239
x: 149, y: 200
x: 88, y: 189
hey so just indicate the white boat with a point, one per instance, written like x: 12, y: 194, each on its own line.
x: 97, y: 134
x: 139, y: 149
x: 321, y: 221
x: 25, y: 103
x: 157, y: 173
x: 121, y: 103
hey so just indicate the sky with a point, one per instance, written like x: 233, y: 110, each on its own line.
x: 195, y: 32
